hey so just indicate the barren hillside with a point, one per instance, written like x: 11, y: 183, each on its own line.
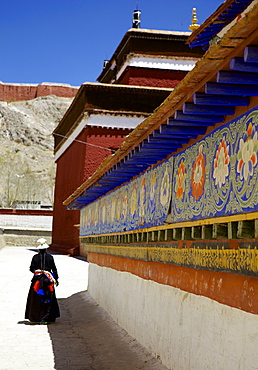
x: 26, y: 149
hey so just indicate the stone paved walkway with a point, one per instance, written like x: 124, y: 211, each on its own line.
x: 83, y: 338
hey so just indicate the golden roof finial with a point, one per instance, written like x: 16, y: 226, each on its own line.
x: 194, y: 24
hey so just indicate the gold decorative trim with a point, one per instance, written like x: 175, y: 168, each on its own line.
x: 219, y: 258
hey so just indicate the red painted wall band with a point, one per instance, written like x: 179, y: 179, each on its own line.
x: 233, y: 290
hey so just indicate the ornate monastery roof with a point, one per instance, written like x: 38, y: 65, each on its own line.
x: 214, y: 77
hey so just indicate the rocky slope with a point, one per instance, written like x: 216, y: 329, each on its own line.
x: 27, y: 164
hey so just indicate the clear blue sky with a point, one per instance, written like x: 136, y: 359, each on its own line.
x: 67, y: 41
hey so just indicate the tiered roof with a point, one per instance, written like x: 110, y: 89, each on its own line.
x: 223, y: 80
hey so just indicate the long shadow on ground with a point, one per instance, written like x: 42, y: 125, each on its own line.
x: 86, y: 338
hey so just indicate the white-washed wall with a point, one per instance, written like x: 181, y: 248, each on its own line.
x: 187, y: 331
x: 27, y: 222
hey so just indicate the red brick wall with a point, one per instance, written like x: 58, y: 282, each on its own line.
x: 68, y: 178
x: 75, y: 165
x: 151, y: 77
x: 11, y: 92
x: 33, y: 212
x: 100, y: 138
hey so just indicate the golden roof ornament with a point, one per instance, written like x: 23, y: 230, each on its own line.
x: 194, y: 24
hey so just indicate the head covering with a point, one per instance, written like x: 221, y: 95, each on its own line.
x: 42, y: 244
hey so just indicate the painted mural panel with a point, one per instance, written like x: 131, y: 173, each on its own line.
x: 143, y: 202
x: 215, y: 177
x: 218, y: 175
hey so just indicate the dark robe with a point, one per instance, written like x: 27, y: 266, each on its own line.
x: 42, y: 304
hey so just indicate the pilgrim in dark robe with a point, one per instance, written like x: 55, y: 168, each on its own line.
x: 42, y: 306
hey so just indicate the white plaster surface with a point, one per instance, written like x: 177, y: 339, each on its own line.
x: 27, y: 222
x: 187, y: 332
x: 114, y: 121
x: 170, y: 63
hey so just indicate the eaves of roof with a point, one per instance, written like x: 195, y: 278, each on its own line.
x: 107, y: 98
x: 145, y: 34
x: 149, y: 34
x: 243, y: 32
x: 225, y: 13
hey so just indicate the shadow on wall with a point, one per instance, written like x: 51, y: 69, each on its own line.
x: 86, y: 337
